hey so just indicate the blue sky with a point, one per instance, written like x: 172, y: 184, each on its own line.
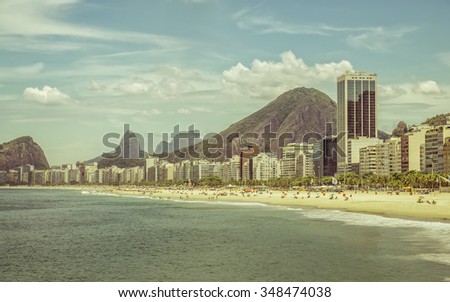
x: 73, y: 70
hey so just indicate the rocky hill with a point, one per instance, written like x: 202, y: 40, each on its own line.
x: 22, y: 151
x: 129, y: 153
x: 298, y: 111
x: 293, y: 114
x: 440, y: 119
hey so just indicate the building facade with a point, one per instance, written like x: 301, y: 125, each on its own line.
x: 357, y: 111
x: 413, y: 149
x: 266, y: 166
x: 297, y: 160
x: 329, y: 156
x: 446, y: 156
x: 434, y: 148
x: 382, y: 158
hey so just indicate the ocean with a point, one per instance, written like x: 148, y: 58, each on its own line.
x: 65, y: 235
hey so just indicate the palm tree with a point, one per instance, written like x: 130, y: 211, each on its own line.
x: 326, y: 180
x: 395, y: 180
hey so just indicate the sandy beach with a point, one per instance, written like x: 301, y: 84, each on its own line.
x: 434, y: 206
x: 380, y: 203
x: 402, y: 205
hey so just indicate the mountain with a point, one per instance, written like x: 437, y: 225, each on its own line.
x: 129, y: 153
x: 440, y: 119
x: 437, y: 120
x: 22, y: 151
x: 292, y: 115
x: 299, y: 111
x: 165, y: 147
x: 383, y: 135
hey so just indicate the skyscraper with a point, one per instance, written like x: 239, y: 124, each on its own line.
x: 357, y: 111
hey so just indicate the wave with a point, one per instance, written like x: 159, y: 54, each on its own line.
x: 443, y: 258
x: 99, y: 193
x: 435, y: 230
x: 219, y: 202
x: 198, y: 201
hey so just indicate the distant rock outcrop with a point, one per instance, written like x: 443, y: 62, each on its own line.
x: 401, y: 129
x: 129, y: 153
x: 22, y: 151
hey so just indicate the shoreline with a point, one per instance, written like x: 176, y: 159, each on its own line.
x: 403, y: 206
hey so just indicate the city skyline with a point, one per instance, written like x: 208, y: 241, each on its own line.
x: 75, y: 70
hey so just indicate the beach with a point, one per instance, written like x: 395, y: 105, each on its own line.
x: 402, y: 204
x: 381, y: 203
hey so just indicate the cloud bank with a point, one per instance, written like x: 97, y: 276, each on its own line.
x: 268, y: 78
x: 47, y: 96
x: 427, y: 87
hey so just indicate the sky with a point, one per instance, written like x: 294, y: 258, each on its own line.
x: 72, y: 71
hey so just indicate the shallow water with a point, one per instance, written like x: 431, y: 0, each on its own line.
x: 56, y: 235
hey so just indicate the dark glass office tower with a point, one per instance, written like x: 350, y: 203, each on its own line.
x: 357, y: 109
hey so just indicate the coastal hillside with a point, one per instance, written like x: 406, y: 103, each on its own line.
x: 22, y: 151
x: 298, y: 111
x: 128, y: 153
x: 440, y: 119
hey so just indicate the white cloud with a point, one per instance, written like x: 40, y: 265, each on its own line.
x: 140, y: 87
x: 183, y: 111
x: 95, y: 86
x: 411, y: 105
x: 166, y: 88
x: 170, y: 71
x: 201, y: 109
x: 21, y: 71
x: 379, y: 39
x: 266, y: 24
x: 196, y: 1
x: 390, y: 91
x: 43, y: 44
x: 47, y: 96
x: 172, y: 87
x: 427, y: 87
x: 268, y: 79
x: 444, y: 57
x: 151, y: 112
x: 373, y: 38
x: 145, y: 116
x: 36, y: 21
x: 30, y: 69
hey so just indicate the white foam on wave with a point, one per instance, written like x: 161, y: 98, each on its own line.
x: 219, y: 202
x: 99, y: 193
x: 198, y: 201
x: 435, y: 230
x: 242, y: 204
x: 443, y: 258
x: 290, y: 209
x: 239, y: 204
x: 135, y: 196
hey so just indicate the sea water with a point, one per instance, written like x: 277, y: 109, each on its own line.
x: 64, y: 235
